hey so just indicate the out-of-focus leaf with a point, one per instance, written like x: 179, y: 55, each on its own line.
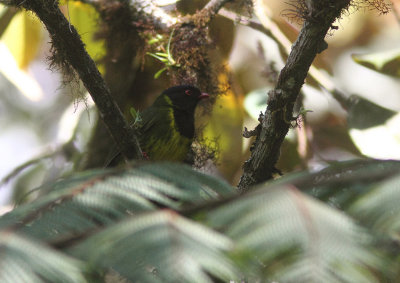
x: 225, y: 127
x: 379, y: 209
x: 18, y: 47
x: 295, y: 238
x: 342, y: 183
x: 374, y: 129
x: 290, y: 159
x: 30, y: 179
x: 73, y: 117
x: 22, y: 80
x: 256, y: 102
x: 23, y: 37
x: 6, y: 15
x: 25, y: 260
x: 84, y: 202
x: 84, y: 18
x: 364, y: 114
x: 387, y: 62
x: 160, y: 246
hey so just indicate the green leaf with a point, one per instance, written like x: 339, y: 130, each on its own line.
x: 379, y: 209
x: 87, y: 201
x: 364, y: 114
x: 155, y: 39
x: 162, y: 54
x: 341, y: 183
x: 135, y: 115
x: 133, y: 112
x: 387, y: 62
x: 296, y: 238
x: 25, y: 260
x: 374, y: 129
x: 158, y: 74
x: 161, y: 58
x: 160, y: 247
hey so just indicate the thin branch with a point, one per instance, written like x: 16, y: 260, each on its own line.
x: 70, y: 52
x: 282, y: 42
x: 270, y: 29
x: 279, y: 113
x: 246, y: 21
x: 25, y: 165
x: 157, y: 15
x: 213, y: 6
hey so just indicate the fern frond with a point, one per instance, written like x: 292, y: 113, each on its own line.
x: 25, y: 260
x: 379, y: 209
x: 160, y: 247
x: 80, y: 204
x: 296, y: 238
x: 342, y: 183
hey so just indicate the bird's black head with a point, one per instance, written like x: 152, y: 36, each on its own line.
x: 185, y: 97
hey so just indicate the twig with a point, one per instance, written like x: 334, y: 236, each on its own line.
x: 270, y: 29
x: 278, y: 116
x: 213, y: 6
x: 25, y: 165
x: 70, y: 51
x: 282, y: 42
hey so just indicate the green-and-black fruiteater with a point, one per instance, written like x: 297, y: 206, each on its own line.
x: 167, y: 126
x: 166, y: 129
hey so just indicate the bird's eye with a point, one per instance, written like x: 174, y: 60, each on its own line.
x: 188, y: 92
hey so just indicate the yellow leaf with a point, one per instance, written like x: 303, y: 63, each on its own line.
x: 23, y: 37
x: 85, y: 19
x: 226, y: 126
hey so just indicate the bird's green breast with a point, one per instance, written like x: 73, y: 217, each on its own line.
x: 161, y: 137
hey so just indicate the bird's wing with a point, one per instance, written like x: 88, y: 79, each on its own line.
x: 148, y: 120
x: 152, y: 117
x: 154, y: 125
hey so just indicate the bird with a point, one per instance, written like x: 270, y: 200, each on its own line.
x: 166, y: 129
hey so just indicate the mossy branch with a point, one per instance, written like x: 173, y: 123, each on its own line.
x: 279, y: 113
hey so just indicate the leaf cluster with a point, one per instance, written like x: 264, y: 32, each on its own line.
x: 168, y: 223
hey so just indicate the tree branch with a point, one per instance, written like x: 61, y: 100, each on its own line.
x: 278, y: 115
x: 149, y: 11
x: 70, y: 52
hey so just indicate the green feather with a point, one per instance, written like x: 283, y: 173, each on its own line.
x: 160, y: 138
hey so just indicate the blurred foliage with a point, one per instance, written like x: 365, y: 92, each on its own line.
x: 23, y: 37
x: 325, y: 220
x: 387, y: 62
x: 162, y: 222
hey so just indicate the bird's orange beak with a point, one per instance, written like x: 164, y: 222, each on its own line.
x: 204, y: 95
